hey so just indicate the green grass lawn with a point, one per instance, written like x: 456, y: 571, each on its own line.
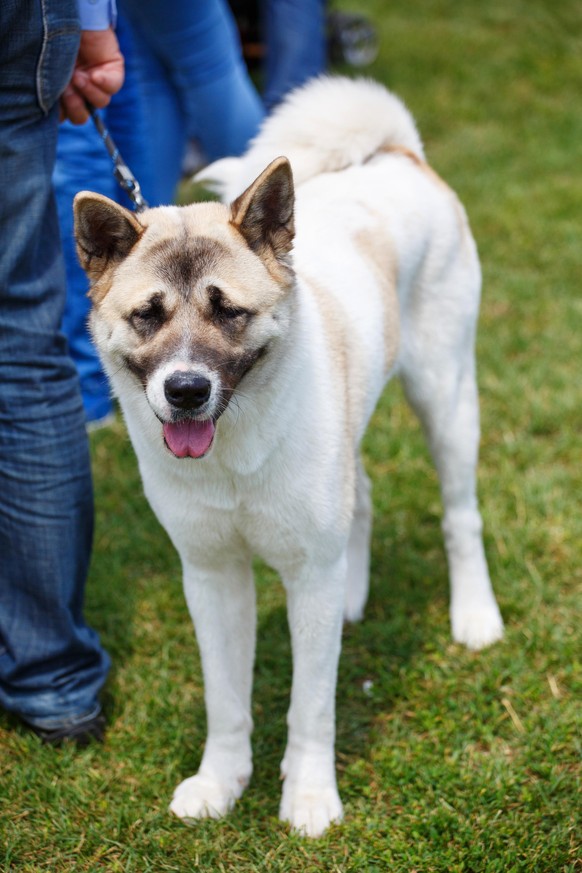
x: 448, y: 761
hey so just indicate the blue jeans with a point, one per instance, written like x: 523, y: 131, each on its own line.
x: 51, y: 663
x: 195, y: 84
x: 296, y: 45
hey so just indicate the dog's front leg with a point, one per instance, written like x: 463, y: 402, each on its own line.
x: 315, y: 599
x: 222, y: 606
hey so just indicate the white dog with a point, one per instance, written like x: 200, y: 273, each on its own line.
x: 248, y: 356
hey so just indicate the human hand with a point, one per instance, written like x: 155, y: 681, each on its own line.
x: 98, y: 74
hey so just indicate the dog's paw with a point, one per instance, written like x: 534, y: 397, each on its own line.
x: 476, y: 626
x: 353, y: 609
x: 203, y: 796
x: 310, y: 811
x: 310, y: 801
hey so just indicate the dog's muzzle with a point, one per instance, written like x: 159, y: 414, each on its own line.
x: 188, y: 393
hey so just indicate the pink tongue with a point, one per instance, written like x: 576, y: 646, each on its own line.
x: 189, y: 438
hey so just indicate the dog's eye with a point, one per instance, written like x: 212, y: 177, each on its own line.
x: 149, y: 317
x: 222, y: 309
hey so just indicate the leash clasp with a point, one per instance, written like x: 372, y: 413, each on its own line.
x: 121, y: 171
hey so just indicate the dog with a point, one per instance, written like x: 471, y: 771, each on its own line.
x: 248, y: 342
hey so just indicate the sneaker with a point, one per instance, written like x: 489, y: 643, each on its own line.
x: 83, y: 733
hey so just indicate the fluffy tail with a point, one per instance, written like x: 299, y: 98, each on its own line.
x: 327, y: 125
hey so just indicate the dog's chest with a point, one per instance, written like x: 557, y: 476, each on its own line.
x: 283, y: 521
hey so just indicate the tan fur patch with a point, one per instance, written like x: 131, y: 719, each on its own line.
x: 347, y: 380
x: 422, y: 165
x: 376, y: 251
x: 99, y: 288
x: 334, y: 328
x: 432, y: 175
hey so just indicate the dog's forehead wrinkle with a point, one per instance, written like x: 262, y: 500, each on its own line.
x: 182, y: 261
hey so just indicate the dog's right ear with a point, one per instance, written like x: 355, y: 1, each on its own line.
x: 264, y: 213
x: 105, y: 232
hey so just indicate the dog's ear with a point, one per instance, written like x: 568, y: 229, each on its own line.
x: 264, y: 212
x: 105, y: 232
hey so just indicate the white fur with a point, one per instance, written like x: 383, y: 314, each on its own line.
x: 282, y: 479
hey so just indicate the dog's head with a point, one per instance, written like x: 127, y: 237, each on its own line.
x: 188, y: 300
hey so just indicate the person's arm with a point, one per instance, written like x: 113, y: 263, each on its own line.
x: 99, y: 68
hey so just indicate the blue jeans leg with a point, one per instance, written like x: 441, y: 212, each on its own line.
x: 296, y: 45
x: 51, y: 663
x: 82, y: 163
x: 164, y: 126
x: 206, y: 91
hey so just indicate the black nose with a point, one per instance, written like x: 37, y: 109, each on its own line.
x: 187, y: 390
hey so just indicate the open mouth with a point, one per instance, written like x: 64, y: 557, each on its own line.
x: 189, y: 438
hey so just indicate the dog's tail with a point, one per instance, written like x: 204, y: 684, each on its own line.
x: 327, y: 125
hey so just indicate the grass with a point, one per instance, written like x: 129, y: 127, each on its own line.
x: 448, y: 761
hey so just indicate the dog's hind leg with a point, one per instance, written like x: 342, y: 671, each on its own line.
x: 222, y: 606
x: 358, y: 576
x: 439, y: 380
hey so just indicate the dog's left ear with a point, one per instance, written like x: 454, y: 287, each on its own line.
x: 264, y: 212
